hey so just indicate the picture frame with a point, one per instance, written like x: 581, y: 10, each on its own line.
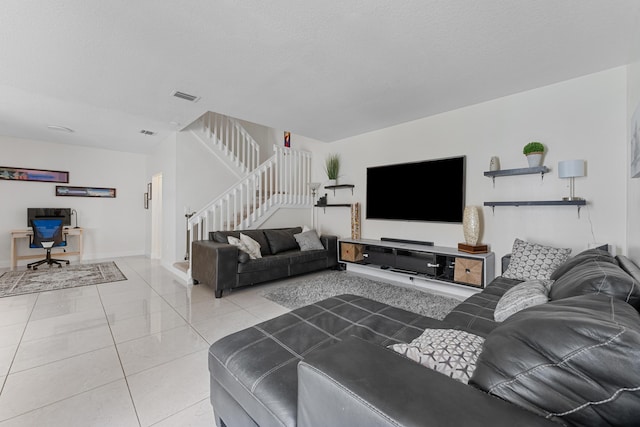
x: 38, y: 175
x: 146, y: 200
x: 149, y: 191
x: 287, y: 139
x: 67, y: 191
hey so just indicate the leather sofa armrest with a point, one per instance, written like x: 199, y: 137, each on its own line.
x: 356, y: 382
x: 330, y: 243
x: 214, y: 264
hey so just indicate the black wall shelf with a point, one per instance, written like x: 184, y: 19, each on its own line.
x: 342, y: 205
x: 578, y: 203
x: 521, y: 171
x: 339, y: 186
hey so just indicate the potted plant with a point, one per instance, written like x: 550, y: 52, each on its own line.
x: 332, y: 168
x: 534, y: 151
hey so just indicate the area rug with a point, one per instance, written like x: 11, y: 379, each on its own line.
x: 310, y: 289
x: 49, y: 279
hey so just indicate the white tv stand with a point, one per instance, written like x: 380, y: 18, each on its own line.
x: 437, y: 264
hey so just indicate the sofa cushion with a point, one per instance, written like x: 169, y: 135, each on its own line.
x: 588, y: 255
x: 271, y: 262
x: 475, y: 314
x: 299, y: 257
x: 534, y: 261
x: 258, y: 365
x: 308, y: 240
x: 524, y: 295
x: 281, y: 240
x: 449, y: 351
x: 555, y: 360
x: 597, y: 277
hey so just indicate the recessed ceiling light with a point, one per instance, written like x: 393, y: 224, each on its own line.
x: 185, y: 96
x: 60, y: 128
x: 147, y: 132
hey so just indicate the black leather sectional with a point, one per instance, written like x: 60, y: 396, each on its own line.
x: 572, y: 361
x: 222, y: 266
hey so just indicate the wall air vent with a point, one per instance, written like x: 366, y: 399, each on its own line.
x: 185, y: 96
x: 147, y: 132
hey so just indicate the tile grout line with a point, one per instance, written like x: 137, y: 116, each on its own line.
x: 115, y: 346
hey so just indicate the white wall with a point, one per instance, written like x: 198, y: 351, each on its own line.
x: 201, y: 177
x: 113, y: 227
x: 633, y: 185
x: 584, y: 118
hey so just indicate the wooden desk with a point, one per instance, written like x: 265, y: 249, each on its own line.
x: 17, y: 235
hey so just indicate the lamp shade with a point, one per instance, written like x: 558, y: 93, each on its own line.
x: 570, y: 168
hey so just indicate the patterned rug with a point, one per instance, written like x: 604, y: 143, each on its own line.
x: 310, y: 289
x: 49, y: 279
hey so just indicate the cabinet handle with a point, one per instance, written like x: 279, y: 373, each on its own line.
x: 433, y: 265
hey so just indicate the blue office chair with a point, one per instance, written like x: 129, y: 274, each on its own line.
x: 47, y: 234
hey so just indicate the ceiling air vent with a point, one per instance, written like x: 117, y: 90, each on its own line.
x: 147, y: 132
x: 185, y: 96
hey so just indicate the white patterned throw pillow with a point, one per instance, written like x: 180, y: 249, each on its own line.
x: 253, y: 247
x: 533, y: 261
x: 523, y: 295
x: 448, y: 351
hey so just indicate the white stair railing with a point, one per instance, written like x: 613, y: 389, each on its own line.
x: 281, y: 181
x: 228, y: 136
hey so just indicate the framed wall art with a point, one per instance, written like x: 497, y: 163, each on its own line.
x: 40, y: 175
x: 62, y: 190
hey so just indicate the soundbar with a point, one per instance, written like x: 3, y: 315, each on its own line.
x: 412, y: 242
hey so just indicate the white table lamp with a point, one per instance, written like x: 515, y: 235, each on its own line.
x: 571, y: 169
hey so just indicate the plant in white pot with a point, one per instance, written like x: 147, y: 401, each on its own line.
x: 534, y: 152
x: 332, y: 168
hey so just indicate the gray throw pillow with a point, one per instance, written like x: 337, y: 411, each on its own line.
x: 308, y: 241
x: 521, y: 296
x: 449, y: 351
x: 533, y: 261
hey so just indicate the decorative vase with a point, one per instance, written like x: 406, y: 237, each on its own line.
x: 332, y: 182
x: 494, y: 164
x: 534, y: 159
x: 471, y: 225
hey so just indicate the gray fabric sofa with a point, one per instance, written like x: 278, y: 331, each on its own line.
x: 572, y: 361
x: 222, y: 266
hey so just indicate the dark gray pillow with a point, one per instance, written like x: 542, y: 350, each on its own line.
x: 281, y: 240
x: 575, y: 361
x: 222, y: 236
x: 597, y: 277
x: 588, y: 255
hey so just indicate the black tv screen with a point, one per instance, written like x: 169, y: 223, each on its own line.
x: 431, y: 190
x: 65, y: 213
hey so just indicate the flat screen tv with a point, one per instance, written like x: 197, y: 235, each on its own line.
x: 431, y: 190
x: 65, y: 213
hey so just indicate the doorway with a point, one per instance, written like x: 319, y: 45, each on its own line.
x: 156, y: 216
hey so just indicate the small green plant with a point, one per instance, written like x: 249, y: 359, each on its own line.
x: 533, y: 147
x: 332, y: 166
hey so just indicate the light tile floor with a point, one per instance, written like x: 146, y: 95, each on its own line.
x: 130, y: 353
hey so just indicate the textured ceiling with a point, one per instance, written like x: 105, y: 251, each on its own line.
x: 326, y: 70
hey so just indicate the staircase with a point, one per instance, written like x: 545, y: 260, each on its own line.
x: 227, y: 140
x: 280, y: 182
